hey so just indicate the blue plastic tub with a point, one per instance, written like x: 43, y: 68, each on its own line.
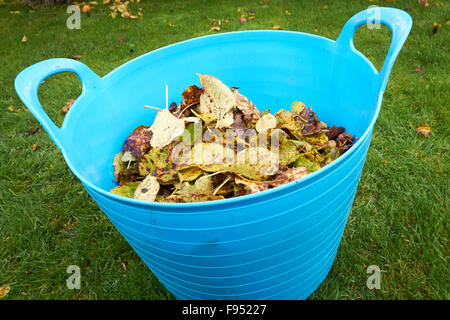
x: 277, y: 244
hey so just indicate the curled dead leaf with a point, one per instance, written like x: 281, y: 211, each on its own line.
x: 253, y: 186
x: 68, y: 105
x: 86, y: 8
x: 138, y: 142
x: 33, y: 131
x: 424, y: 129
x: 288, y: 175
x: 251, y: 113
x: 334, y: 132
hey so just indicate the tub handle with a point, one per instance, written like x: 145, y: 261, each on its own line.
x: 28, y: 81
x: 397, y: 20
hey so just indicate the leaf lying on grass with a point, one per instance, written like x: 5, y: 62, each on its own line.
x: 424, y: 130
x: 4, y: 290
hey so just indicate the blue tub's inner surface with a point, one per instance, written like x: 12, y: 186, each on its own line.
x: 271, y: 68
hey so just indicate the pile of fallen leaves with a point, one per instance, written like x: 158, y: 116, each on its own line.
x: 216, y: 144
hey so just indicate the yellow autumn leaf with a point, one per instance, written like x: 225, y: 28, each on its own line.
x: 424, y: 129
x: 4, y: 290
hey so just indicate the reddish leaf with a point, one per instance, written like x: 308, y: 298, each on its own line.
x: 34, y: 130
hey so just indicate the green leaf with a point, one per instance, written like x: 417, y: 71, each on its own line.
x: 319, y: 140
x: 158, y: 162
x: 126, y: 190
x: 189, y: 173
x: 287, y: 151
x: 297, y: 107
x: 309, y: 160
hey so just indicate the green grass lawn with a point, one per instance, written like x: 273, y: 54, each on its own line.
x: 399, y: 220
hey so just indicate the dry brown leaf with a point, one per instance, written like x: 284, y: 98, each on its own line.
x: 276, y: 27
x: 118, y: 165
x: 33, y: 131
x: 251, y: 113
x: 252, y: 186
x: 288, y: 175
x: 68, y: 105
x: 138, y: 142
x: 191, y: 95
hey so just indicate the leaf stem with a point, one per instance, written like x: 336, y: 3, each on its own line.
x: 150, y: 107
x: 221, y: 185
